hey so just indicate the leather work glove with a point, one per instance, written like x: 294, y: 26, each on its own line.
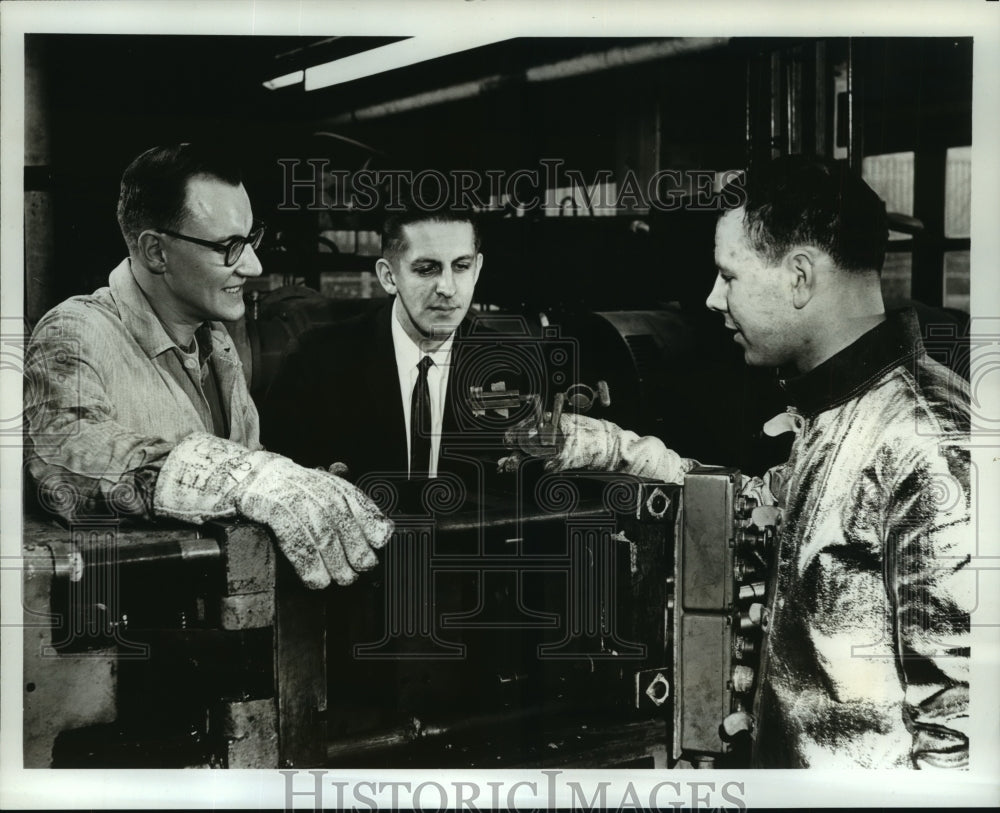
x: 326, y: 527
x: 599, y: 445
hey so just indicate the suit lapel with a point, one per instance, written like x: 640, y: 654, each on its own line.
x: 386, y: 410
x: 455, y: 400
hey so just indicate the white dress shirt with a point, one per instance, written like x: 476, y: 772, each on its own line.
x: 408, y: 356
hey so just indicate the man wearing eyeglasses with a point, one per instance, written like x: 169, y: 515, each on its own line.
x: 135, y: 398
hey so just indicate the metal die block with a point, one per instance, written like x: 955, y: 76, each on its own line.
x: 60, y: 692
x: 251, y: 611
x: 703, y: 697
x: 248, y: 553
x: 250, y: 728
x: 708, y: 535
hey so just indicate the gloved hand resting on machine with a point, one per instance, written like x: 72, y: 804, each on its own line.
x: 326, y: 527
x: 599, y: 445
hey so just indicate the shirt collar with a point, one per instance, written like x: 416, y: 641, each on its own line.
x: 408, y: 353
x: 846, y: 374
x: 141, y: 321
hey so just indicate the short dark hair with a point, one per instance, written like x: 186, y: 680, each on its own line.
x: 407, y: 210
x: 154, y: 186
x: 808, y: 199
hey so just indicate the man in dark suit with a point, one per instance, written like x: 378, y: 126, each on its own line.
x: 352, y: 393
x: 387, y: 393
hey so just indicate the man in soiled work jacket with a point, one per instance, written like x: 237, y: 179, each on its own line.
x: 135, y: 400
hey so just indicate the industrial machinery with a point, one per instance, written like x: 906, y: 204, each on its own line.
x: 167, y: 647
x: 607, y: 621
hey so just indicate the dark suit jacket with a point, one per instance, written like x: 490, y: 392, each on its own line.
x: 336, y: 398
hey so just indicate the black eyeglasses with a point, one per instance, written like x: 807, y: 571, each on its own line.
x: 232, y: 248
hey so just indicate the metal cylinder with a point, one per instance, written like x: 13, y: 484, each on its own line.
x: 752, y: 590
x: 743, y: 647
x: 745, y: 506
x: 752, y: 618
x: 742, y: 678
x: 744, y: 569
x: 736, y: 722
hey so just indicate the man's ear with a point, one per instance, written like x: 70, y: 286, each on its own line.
x: 384, y: 272
x: 150, y: 250
x: 802, y: 263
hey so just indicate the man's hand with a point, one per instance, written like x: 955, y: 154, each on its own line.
x: 326, y: 527
x: 598, y: 445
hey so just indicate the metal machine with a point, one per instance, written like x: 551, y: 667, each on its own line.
x: 167, y: 648
x: 612, y: 622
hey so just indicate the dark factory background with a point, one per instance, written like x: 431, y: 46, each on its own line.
x: 900, y: 109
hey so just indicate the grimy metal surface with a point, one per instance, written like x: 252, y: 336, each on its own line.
x: 717, y: 615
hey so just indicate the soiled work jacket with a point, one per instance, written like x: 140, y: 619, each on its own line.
x: 108, y: 395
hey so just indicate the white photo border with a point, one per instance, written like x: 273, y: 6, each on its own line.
x: 979, y: 19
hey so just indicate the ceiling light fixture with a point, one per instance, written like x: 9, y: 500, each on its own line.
x: 292, y: 78
x: 389, y: 57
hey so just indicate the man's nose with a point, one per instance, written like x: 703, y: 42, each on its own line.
x: 717, y: 298
x: 249, y: 264
x: 446, y: 283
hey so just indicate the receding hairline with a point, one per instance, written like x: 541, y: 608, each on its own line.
x: 207, y: 177
x: 400, y: 245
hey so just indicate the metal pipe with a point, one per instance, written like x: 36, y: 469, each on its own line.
x: 497, y: 517
x: 155, y: 551
x: 415, y: 729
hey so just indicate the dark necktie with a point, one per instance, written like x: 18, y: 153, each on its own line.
x: 420, y: 423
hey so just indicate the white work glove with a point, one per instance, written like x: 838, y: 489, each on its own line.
x: 599, y: 445
x: 325, y: 526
